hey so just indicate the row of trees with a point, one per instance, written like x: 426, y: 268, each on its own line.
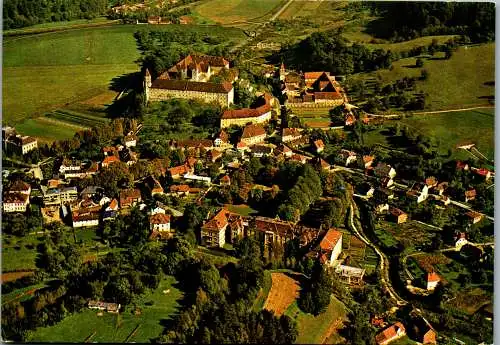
x: 21, y: 13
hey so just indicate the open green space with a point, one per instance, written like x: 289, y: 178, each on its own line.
x: 449, y: 130
x: 465, y: 80
x: 63, y: 25
x: 229, y: 11
x: 243, y: 210
x: 263, y: 293
x: 154, y: 307
x: 312, y: 329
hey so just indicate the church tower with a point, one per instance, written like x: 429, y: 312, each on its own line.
x: 282, y: 72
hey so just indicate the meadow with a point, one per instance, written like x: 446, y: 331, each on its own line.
x: 230, y: 11
x: 155, y: 306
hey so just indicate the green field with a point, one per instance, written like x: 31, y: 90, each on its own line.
x: 449, y: 130
x: 116, y: 328
x: 230, y: 11
x: 311, y: 328
x: 64, y: 25
x: 465, y: 80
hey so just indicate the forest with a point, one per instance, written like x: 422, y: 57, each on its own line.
x: 21, y: 13
x: 329, y: 51
x: 405, y: 20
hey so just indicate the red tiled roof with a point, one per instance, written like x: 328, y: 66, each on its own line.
x: 110, y: 159
x: 159, y: 218
x: 330, y: 240
x: 396, y: 212
x: 433, y: 277
x: 470, y: 193
x: 129, y: 195
x: 314, y: 75
x: 367, y: 159
x: 219, y: 221
x: 253, y: 130
x: 473, y: 214
x: 291, y: 131
x: 226, y: 179
x: 389, y: 333
x: 319, y: 143
x: 272, y: 225
x: 431, y: 181
x: 327, y: 95
x: 482, y: 172
x: 179, y: 188
x: 178, y: 170
x: 193, y: 143
x: 113, y: 204
x: 246, y: 112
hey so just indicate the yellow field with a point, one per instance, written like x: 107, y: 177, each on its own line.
x: 230, y: 11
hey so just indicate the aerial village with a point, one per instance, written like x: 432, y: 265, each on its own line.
x: 268, y: 137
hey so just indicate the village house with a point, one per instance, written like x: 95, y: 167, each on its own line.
x: 299, y: 158
x: 347, y: 157
x: 290, y: 134
x: 20, y: 144
x: 419, y: 191
x: 130, y: 197
x: 159, y: 222
x: 85, y: 217
x: 319, y: 146
x: 59, y: 195
x: 222, y: 140
x: 387, y: 182
x: 15, y: 202
x: 485, y: 173
x: 433, y: 280
x: 331, y: 247
x: 431, y: 182
x: 104, y: 306
x: 241, y: 117
x: 179, y: 190
x: 384, y: 170
x: 253, y: 134
x: 397, y: 215
x: 470, y: 195
x: 424, y: 332
x: 189, y: 79
x: 284, y: 150
x: 460, y: 241
x: 474, y: 217
x: 108, y: 160
x: 130, y: 140
x: 179, y: 171
x: 390, y: 334
x: 225, y: 180
x: 213, y: 156
x: 368, y: 161
x: 261, y: 150
x: 224, y: 227
x: 350, y: 275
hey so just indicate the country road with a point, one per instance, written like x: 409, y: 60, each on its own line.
x: 434, y: 111
x: 384, y: 261
x: 277, y: 14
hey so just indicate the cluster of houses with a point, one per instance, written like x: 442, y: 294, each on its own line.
x: 421, y: 331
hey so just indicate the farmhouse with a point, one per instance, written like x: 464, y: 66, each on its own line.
x: 390, y: 334
x: 424, y: 332
x: 241, y: 117
x: 419, y: 191
x: 159, y: 222
x: 15, y: 202
x: 368, y: 161
x: 432, y: 280
x: 84, y: 218
x: 222, y: 140
x: 319, y: 145
x: 474, y: 217
x: 398, y: 215
x: 350, y: 275
x: 189, y: 79
x: 331, y: 246
x: 179, y: 189
x: 129, y: 197
x: 470, y: 195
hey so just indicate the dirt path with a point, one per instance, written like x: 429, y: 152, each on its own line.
x: 434, y: 111
x: 334, y: 326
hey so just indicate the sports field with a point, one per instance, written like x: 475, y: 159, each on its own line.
x: 142, y: 328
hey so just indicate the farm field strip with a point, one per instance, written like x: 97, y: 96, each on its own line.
x: 284, y: 291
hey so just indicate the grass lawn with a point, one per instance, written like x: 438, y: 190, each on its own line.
x: 58, y: 25
x: 314, y: 330
x: 264, y: 291
x: 45, y: 130
x: 449, y: 130
x: 229, y: 11
x: 243, y: 210
x: 462, y: 81
x: 116, y: 328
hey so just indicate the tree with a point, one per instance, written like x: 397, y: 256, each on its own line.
x: 315, y: 298
x: 419, y: 62
x: 119, y: 289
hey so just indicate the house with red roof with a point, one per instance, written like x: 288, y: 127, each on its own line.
x: 290, y: 134
x: 179, y: 189
x: 483, y: 172
x: 159, y: 222
x: 253, y: 134
x: 130, y: 197
x: 398, y: 215
x: 368, y: 161
x: 319, y: 145
x: 225, y: 180
x: 331, y: 246
x: 390, y: 334
x: 108, y: 160
x: 431, y: 182
x: 475, y: 217
x: 241, y: 117
x: 213, y: 232
x: 470, y: 195
x: 433, y: 280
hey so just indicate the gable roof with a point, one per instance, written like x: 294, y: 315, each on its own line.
x: 319, y: 143
x: 253, y: 130
x: 332, y: 237
x: 159, y: 218
x: 390, y: 333
x: 433, y: 277
x: 187, y: 85
x: 19, y: 186
x: 295, y: 132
